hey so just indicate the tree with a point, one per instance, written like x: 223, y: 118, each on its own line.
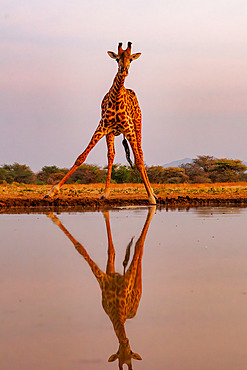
x: 125, y: 174
x: 6, y: 175
x: 135, y: 176
x: 51, y: 174
x: 199, y: 170
x: 174, y: 175
x: 120, y: 174
x: 18, y: 173
x: 195, y: 173
x: 205, y: 162
x: 209, y: 169
x: 86, y: 174
x: 155, y: 174
x: 227, y: 170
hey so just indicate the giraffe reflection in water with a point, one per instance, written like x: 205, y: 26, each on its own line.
x: 120, y: 293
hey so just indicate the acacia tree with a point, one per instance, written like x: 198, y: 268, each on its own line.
x: 160, y: 175
x: 120, y: 174
x: 87, y: 174
x: 227, y: 170
x: 174, y: 175
x: 51, y: 174
x: 18, y: 173
x: 125, y: 174
x: 205, y: 162
x: 209, y: 169
x: 6, y: 175
x: 155, y: 174
x: 195, y: 173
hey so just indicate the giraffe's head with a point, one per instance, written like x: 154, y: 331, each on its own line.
x: 124, y: 355
x: 123, y: 58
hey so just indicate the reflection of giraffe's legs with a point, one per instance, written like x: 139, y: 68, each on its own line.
x: 136, y: 263
x: 95, y: 138
x: 141, y: 168
x: 111, y: 154
x: 95, y: 269
x: 140, y: 243
x: 110, y: 267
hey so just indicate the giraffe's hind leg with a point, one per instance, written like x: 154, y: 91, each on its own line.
x: 111, y: 154
x: 99, y: 133
x: 137, y: 151
x: 139, y: 148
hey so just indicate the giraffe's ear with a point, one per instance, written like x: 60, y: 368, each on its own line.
x: 113, y: 357
x: 135, y: 56
x: 112, y: 54
x: 135, y: 356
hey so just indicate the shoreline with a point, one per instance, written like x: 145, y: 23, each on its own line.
x: 23, y: 196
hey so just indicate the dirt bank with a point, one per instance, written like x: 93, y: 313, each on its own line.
x: 88, y: 196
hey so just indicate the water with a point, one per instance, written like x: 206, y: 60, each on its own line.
x: 193, y: 309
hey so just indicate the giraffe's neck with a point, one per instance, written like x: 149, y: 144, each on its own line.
x: 119, y: 329
x: 117, y: 86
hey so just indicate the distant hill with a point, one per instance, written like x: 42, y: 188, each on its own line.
x: 178, y: 163
x: 183, y: 161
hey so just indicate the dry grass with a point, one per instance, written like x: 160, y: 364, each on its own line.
x: 171, y: 191
x: 203, y: 191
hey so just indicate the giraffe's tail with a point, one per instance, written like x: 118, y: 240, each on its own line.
x: 127, y: 254
x: 127, y: 152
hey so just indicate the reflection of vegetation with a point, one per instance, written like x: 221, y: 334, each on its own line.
x: 203, y: 169
x: 211, y: 212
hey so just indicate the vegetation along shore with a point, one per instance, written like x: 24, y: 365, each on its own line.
x: 205, y: 181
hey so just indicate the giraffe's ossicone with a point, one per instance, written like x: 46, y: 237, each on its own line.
x: 120, y: 114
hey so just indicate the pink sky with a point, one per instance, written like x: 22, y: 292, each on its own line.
x: 190, y: 80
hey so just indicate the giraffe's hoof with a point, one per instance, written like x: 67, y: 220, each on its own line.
x: 152, y: 200
x: 103, y: 197
x: 52, y: 193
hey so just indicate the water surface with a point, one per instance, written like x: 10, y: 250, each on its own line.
x: 193, y: 309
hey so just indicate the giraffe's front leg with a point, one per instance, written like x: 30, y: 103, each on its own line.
x: 99, y: 133
x: 53, y: 192
x: 111, y: 154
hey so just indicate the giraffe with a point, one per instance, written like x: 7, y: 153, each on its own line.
x: 120, y: 293
x: 120, y: 114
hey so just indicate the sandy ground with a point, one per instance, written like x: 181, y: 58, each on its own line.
x: 88, y: 196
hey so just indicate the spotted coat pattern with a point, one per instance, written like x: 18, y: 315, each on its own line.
x: 120, y: 114
x: 120, y: 293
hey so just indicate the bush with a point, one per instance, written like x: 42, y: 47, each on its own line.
x: 209, y: 169
x: 17, y: 173
x: 87, y: 174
